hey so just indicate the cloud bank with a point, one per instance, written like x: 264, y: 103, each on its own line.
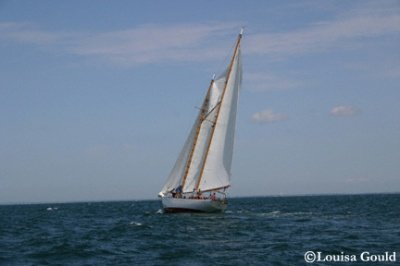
x: 343, y: 32
x: 143, y: 44
x: 154, y: 43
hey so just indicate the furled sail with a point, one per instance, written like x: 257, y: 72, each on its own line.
x: 205, y: 160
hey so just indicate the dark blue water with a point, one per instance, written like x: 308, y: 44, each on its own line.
x: 253, y: 231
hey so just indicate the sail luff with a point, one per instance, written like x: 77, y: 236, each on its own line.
x: 201, y: 118
x: 205, y: 156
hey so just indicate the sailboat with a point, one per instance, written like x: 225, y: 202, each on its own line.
x: 201, y: 175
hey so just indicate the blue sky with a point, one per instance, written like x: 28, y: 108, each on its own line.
x: 97, y: 97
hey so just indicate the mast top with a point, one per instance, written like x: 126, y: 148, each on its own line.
x: 241, y: 31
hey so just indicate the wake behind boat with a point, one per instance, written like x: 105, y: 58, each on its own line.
x: 201, y: 174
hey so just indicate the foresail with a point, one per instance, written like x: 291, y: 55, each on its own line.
x: 217, y: 168
x: 177, y: 172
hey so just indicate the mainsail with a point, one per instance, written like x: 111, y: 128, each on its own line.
x: 204, y: 163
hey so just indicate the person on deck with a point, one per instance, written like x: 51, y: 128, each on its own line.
x: 178, y: 191
x: 213, y: 196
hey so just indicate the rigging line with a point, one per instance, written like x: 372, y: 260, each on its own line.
x: 206, y: 115
x: 216, y: 189
x: 218, y: 103
x: 212, y: 122
x: 221, y: 67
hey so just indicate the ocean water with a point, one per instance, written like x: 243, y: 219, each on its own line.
x: 253, y: 231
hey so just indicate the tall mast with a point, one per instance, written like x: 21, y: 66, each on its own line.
x: 201, y: 118
x: 205, y: 156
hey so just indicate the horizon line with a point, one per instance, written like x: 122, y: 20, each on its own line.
x: 235, y: 197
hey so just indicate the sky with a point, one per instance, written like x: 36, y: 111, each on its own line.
x: 97, y: 97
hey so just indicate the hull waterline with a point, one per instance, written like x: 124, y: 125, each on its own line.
x: 192, y: 205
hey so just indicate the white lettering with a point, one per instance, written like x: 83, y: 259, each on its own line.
x: 335, y: 257
x: 318, y: 256
x: 386, y: 257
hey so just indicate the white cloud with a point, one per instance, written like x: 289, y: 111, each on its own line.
x: 27, y: 33
x: 155, y: 43
x: 185, y: 42
x: 138, y: 45
x: 268, y: 116
x: 342, y: 110
x: 324, y: 35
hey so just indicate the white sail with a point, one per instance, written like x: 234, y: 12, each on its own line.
x: 217, y: 168
x: 175, y: 177
x: 205, y: 161
x: 198, y: 157
x: 191, y: 156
